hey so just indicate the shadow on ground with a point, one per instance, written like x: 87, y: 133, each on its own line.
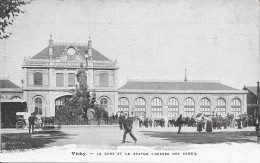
x: 204, y: 137
x: 22, y: 141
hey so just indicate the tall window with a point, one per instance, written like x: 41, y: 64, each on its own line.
x: 71, y: 79
x: 59, y: 80
x: 221, y: 107
x: 37, y: 78
x: 173, y: 108
x: 103, y: 80
x: 123, y: 104
x: 205, y: 106
x: 236, y: 107
x: 189, y: 107
x: 38, y: 106
x: 104, y: 103
x: 156, y: 107
x: 140, y: 107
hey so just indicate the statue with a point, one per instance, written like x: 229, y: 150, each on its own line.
x: 82, y: 78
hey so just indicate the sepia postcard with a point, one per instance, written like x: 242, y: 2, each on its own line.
x: 129, y: 81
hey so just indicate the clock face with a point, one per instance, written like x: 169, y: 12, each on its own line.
x: 71, y: 51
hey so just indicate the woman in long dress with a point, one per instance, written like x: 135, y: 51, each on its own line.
x: 232, y: 123
x: 209, y: 126
x: 199, y: 124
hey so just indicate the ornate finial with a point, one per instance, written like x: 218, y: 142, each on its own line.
x: 185, y: 79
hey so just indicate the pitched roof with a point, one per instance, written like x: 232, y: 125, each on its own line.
x: 7, y: 84
x: 58, y: 50
x: 251, y: 89
x: 146, y: 85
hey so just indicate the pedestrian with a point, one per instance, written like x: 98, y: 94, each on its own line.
x: 239, y: 123
x: 199, y: 124
x: 31, y: 120
x: 150, y: 122
x: 121, y: 119
x: 214, y: 123
x: 128, y: 125
x: 179, y: 122
x: 209, y: 126
x: 218, y: 121
x: 232, y: 123
x: 112, y: 119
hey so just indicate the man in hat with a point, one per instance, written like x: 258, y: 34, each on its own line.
x: 31, y: 120
x: 128, y: 125
x: 121, y: 119
x: 179, y: 122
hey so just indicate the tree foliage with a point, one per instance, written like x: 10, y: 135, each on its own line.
x: 8, y: 10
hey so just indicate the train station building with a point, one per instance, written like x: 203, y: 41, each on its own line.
x: 49, y: 77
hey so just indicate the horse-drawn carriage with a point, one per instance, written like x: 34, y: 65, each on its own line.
x: 40, y: 122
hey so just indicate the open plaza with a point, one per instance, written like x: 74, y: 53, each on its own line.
x: 152, y: 142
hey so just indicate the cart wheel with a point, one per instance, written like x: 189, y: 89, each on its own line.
x: 20, y: 125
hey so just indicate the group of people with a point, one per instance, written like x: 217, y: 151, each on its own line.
x: 149, y: 122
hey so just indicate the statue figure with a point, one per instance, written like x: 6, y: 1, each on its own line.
x: 82, y: 78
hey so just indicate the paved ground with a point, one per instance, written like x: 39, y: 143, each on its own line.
x: 112, y: 136
x: 218, y: 146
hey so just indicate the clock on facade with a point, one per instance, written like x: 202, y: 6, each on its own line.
x: 71, y: 51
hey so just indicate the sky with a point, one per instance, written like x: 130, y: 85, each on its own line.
x: 156, y: 39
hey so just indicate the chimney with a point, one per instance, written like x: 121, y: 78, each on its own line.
x: 50, y: 47
x: 90, y: 48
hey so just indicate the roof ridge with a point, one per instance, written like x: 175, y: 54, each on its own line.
x: 70, y: 43
x: 171, y: 80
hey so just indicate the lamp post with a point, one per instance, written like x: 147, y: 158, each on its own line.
x: 258, y: 100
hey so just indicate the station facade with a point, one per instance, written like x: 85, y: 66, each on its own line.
x: 49, y: 77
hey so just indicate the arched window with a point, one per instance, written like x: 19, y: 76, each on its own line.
x: 189, y: 107
x: 221, y: 107
x: 37, y: 76
x: 103, y: 80
x: 156, y: 107
x: 16, y: 98
x: 236, y: 107
x: 205, y: 106
x: 62, y: 100
x: 104, y: 103
x: 123, y: 104
x: 173, y: 107
x: 140, y: 107
x: 38, y: 106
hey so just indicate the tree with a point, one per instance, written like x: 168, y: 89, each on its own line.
x: 8, y: 10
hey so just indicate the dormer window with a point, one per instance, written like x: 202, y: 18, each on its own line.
x: 71, y: 53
